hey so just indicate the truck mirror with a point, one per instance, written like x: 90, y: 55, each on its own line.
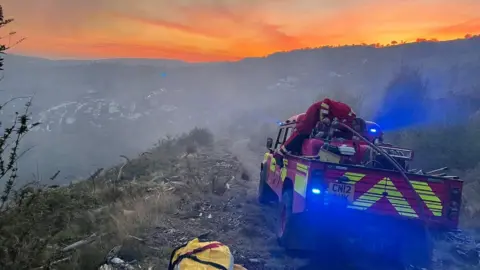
x: 269, y: 143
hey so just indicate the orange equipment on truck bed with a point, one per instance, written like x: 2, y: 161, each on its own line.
x: 336, y: 183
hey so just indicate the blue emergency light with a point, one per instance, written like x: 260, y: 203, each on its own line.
x: 316, y: 191
x: 373, y: 130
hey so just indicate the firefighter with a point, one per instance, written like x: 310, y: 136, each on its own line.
x: 321, y: 115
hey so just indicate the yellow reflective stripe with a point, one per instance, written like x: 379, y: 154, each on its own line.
x: 356, y: 207
x: 265, y: 157
x: 325, y: 105
x: 300, y: 185
x: 403, y: 209
x: 284, y: 170
x: 363, y: 204
x: 399, y: 202
x: 395, y: 198
x: 300, y: 165
x: 273, y: 163
x: 283, y: 173
x: 423, y: 189
x: 428, y: 196
x: 302, y: 168
x: 435, y: 206
x: 408, y: 214
x: 354, y: 177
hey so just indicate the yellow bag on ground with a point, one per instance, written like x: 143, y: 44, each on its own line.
x: 196, y: 255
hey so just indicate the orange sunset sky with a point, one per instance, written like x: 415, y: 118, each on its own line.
x: 213, y: 30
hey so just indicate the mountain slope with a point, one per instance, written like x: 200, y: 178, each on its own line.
x: 84, y: 104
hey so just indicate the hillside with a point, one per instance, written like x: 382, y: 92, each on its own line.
x: 82, y: 104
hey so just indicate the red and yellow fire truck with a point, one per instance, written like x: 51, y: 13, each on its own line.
x: 337, y: 189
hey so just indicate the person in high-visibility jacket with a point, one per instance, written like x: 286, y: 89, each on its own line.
x: 321, y: 113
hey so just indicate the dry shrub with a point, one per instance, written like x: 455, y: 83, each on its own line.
x: 245, y: 175
x: 144, y: 212
x: 190, y: 149
x: 150, y: 188
x: 201, y: 136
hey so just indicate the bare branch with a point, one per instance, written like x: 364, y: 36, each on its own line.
x: 9, y: 169
x: 55, y: 175
x: 54, y: 263
x: 13, y: 99
x: 94, y: 176
x: 125, y: 157
x: 80, y: 243
x: 121, y: 168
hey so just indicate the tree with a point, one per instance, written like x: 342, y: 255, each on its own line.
x: 12, y: 133
x: 4, y: 47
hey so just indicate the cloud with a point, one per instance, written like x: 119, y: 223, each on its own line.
x: 55, y: 17
x: 239, y: 27
x: 156, y: 51
x: 159, y: 22
x: 86, y: 50
x: 229, y: 28
x: 467, y: 27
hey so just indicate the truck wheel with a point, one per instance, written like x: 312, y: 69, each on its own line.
x: 265, y: 193
x: 285, y: 224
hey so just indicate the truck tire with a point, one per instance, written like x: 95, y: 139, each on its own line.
x: 265, y: 193
x: 285, y: 223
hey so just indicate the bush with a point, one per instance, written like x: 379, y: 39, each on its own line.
x: 39, y: 220
x: 122, y: 201
x: 438, y: 146
x: 200, y: 136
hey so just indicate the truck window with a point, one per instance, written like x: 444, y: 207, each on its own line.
x: 280, y: 138
x: 283, y: 134
x: 289, y: 132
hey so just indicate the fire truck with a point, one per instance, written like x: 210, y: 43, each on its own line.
x: 339, y: 192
